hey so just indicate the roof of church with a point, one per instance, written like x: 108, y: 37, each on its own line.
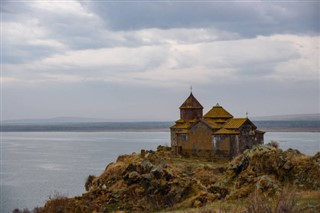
x: 235, y: 123
x: 224, y: 131
x: 231, y: 126
x: 212, y: 124
x: 183, y: 124
x: 219, y: 120
x: 191, y: 103
x: 218, y: 112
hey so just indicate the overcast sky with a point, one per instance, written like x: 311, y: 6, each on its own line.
x: 136, y: 60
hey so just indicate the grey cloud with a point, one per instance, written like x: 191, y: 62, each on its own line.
x: 177, y: 64
x: 133, y: 102
x: 74, y: 61
x: 246, y: 18
x: 262, y: 97
x: 10, y: 8
x: 18, y: 54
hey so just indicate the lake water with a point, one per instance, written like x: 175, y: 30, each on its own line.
x: 35, y: 165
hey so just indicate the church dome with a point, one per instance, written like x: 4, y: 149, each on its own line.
x: 191, y: 103
x: 218, y: 112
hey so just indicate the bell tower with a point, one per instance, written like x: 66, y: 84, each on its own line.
x: 191, y: 109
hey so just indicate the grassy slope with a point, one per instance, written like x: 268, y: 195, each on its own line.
x: 264, y: 177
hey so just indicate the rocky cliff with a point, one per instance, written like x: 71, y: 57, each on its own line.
x: 156, y: 180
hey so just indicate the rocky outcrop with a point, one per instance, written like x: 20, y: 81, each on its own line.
x: 268, y: 169
x: 136, y: 183
x: 152, y: 180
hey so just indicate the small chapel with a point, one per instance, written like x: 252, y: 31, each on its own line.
x: 217, y: 134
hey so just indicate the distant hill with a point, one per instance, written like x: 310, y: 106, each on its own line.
x: 86, y: 126
x: 298, y: 117
x: 54, y: 120
x: 292, y: 123
x: 289, y: 125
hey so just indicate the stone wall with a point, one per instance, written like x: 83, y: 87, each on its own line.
x: 199, y: 137
x: 190, y: 114
x: 201, y: 143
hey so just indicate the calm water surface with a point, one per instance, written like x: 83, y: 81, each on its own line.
x: 35, y: 165
x: 306, y: 142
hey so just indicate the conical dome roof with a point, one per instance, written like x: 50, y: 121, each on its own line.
x: 218, y: 112
x: 191, y: 103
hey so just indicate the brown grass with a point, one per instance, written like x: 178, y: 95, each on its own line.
x: 286, y: 202
x: 257, y: 203
x: 57, y: 204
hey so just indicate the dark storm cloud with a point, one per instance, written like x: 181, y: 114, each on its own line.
x: 246, y: 18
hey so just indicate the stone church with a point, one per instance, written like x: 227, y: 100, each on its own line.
x: 215, y: 134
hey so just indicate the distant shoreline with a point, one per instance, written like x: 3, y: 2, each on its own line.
x: 268, y: 126
x: 292, y: 130
x: 156, y: 130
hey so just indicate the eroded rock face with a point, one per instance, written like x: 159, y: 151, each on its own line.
x: 156, y: 180
x: 138, y: 184
x: 268, y: 169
